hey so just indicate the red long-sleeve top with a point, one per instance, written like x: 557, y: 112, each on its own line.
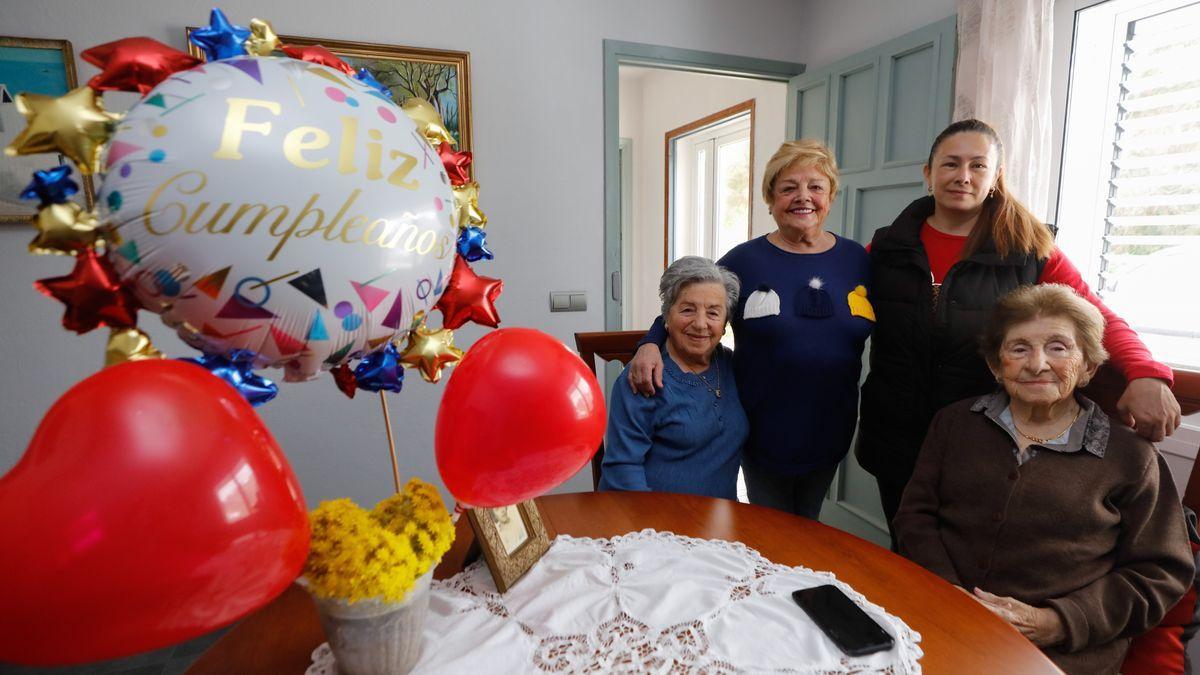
x: 1125, y: 348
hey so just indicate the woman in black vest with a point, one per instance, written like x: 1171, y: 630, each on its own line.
x: 936, y: 272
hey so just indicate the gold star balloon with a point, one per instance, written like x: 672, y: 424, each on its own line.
x: 65, y: 229
x: 466, y: 206
x: 75, y: 124
x: 429, y: 351
x: 129, y: 344
x: 429, y: 123
x: 262, y: 40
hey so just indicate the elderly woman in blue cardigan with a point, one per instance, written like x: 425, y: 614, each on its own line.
x: 689, y: 438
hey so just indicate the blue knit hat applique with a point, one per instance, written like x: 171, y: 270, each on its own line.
x: 815, y: 303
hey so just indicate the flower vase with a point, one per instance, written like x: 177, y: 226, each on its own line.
x: 371, y: 637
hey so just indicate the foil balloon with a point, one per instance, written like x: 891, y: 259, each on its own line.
x: 280, y: 207
x: 75, y: 124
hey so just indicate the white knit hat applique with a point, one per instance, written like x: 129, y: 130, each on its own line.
x: 763, y: 302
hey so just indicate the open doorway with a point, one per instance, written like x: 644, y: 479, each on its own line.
x: 697, y: 145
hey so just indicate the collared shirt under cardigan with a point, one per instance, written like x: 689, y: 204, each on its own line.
x: 1092, y: 527
x: 686, y: 439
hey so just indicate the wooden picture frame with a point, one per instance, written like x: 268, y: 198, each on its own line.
x: 498, y: 533
x: 442, y: 77
x: 38, y: 66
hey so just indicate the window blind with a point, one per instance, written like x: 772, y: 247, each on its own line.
x: 1154, y: 188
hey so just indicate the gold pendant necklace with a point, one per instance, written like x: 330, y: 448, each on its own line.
x: 717, y: 391
x: 1035, y: 439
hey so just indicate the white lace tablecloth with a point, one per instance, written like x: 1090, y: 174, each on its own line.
x: 646, y: 602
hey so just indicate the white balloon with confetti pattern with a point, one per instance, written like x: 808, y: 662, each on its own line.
x: 281, y: 207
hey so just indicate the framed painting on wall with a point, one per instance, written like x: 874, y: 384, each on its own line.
x: 35, y: 66
x: 441, y: 77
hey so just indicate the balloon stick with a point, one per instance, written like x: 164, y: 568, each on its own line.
x: 387, y: 424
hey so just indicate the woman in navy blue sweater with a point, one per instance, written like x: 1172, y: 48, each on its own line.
x: 688, y: 438
x: 799, y: 330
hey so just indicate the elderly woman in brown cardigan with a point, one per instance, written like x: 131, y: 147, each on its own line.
x: 1065, y: 525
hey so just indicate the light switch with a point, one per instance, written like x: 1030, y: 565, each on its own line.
x: 568, y: 301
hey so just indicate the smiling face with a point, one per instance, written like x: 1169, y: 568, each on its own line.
x: 1040, y: 361
x: 800, y: 201
x: 964, y: 168
x: 696, y: 322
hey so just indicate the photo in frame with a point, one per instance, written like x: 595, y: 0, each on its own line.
x: 33, y: 66
x: 512, y: 538
x: 441, y: 77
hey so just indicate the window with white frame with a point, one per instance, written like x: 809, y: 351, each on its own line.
x: 710, y: 195
x: 1129, y: 193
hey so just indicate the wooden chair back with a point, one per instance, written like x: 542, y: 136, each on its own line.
x: 1106, y: 389
x: 610, y: 346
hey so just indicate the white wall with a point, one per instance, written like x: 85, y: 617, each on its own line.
x: 655, y: 101
x: 834, y: 30
x: 536, y: 69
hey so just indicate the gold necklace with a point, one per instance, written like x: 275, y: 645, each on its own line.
x: 1035, y: 439
x: 717, y: 391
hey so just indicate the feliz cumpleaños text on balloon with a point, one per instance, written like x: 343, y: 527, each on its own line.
x: 306, y: 147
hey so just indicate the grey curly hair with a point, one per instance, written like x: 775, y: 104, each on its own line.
x: 694, y: 269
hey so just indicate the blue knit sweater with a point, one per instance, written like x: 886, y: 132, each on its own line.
x: 797, y: 374
x: 685, y: 439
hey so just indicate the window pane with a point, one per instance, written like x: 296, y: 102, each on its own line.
x: 1151, y: 245
x: 700, y: 207
x: 733, y: 191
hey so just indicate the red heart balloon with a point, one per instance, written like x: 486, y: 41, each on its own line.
x: 151, y: 506
x: 520, y: 414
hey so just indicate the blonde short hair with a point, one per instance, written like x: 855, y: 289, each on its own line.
x: 1050, y: 301
x: 804, y: 152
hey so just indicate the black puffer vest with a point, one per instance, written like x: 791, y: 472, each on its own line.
x: 925, y: 354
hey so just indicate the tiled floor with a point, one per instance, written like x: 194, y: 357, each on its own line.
x: 167, y: 661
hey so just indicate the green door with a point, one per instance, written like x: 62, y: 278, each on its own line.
x: 878, y: 110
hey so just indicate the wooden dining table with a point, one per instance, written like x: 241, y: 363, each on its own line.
x: 958, y: 635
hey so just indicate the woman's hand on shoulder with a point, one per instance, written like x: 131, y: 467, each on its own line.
x: 645, y: 370
x: 1150, y: 408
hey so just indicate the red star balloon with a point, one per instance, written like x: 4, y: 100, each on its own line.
x: 469, y: 297
x: 456, y: 164
x: 93, y: 295
x: 135, y: 64
x: 319, y: 55
x: 344, y: 377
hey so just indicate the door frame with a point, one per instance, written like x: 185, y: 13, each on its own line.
x: 617, y: 53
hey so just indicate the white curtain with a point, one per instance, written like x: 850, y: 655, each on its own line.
x: 1003, y: 78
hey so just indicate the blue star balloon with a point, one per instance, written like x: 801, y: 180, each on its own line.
x: 52, y: 186
x: 237, y: 371
x: 368, y: 79
x: 381, y: 371
x: 220, y: 39
x: 472, y: 244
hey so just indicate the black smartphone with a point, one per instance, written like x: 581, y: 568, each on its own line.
x: 850, y: 628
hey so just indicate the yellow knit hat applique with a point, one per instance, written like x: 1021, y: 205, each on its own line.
x: 859, y: 305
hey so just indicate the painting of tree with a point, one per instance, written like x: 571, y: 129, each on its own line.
x: 437, y: 83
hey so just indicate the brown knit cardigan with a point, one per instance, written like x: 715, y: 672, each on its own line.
x: 1100, y: 539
